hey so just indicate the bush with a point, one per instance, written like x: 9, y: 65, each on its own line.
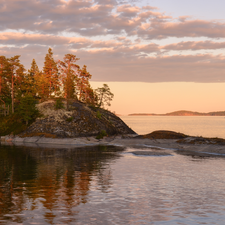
x: 69, y: 119
x: 99, y: 115
x: 101, y: 134
x: 59, y: 104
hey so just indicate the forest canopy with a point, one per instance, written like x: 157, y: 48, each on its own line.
x: 58, y: 79
x: 63, y: 81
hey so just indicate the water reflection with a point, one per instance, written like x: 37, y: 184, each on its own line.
x: 56, y: 179
x: 109, y: 185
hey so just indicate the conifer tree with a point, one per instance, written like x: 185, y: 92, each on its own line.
x: 4, y: 71
x: 51, y: 73
x: 69, y: 70
x: 32, y: 77
x: 15, y: 77
x: 42, y: 86
x: 27, y: 109
x: 104, y: 96
x: 83, y: 84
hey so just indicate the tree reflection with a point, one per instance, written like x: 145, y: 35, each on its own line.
x: 55, y: 178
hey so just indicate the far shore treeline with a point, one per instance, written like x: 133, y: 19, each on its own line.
x: 62, y: 80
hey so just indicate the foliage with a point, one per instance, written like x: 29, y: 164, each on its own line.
x: 69, y: 70
x: 99, y: 115
x: 32, y: 79
x: 69, y: 119
x: 104, y: 96
x: 51, y: 74
x: 59, y: 104
x: 85, y: 92
x: 11, y: 124
x: 27, y: 109
x: 19, y: 88
x: 101, y: 134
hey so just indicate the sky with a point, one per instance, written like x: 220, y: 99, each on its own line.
x: 157, y: 56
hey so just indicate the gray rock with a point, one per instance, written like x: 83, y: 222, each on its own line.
x: 82, y: 121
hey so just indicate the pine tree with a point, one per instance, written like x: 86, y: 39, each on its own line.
x: 27, y: 109
x: 42, y: 86
x: 15, y: 77
x: 4, y: 71
x: 51, y: 72
x: 83, y: 84
x: 69, y: 70
x: 104, y: 96
x: 31, y: 79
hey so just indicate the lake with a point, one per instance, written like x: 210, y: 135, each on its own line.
x: 110, y: 185
x: 206, y: 126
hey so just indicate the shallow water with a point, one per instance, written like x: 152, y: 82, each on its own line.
x: 109, y: 185
x: 206, y: 126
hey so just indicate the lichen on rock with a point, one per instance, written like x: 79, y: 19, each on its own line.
x: 81, y: 120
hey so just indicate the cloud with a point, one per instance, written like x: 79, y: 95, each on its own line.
x: 127, y: 64
x: 94, y: 18
x: 194, y: 45
x: 115, y: 39
x: 191, y: 28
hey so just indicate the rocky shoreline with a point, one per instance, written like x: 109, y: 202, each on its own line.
x: 164, y: 140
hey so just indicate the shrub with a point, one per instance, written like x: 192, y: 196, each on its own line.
x: 69, y: 119
x: 59, y: 104
x: 101, y: 134
x: 99, y: 115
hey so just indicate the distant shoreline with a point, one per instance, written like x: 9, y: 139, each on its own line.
x: 181, y: 113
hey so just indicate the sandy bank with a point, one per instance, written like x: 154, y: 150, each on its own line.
x: 128, y: 141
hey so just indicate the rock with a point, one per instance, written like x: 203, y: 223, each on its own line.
x: 80, y: 121
x: 163, y: 134
x: 151, y: 153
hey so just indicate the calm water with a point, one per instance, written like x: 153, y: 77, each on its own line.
x: 109, y: 185
x: 206, y: 126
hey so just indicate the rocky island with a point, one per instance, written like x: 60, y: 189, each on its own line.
x: 80, y: 120
x: 181, y: 113
x: 57, y: 106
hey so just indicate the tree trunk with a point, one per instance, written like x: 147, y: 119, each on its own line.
x: 12, y: 93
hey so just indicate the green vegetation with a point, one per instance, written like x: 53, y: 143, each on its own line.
x: 11, y: 124
x: 104, y: 96
x: 27, y: 109
x: 69, y: 119
x: 59, y: 104
x: 64, y: 80
x: 101, y: 134
x: 99, y: 115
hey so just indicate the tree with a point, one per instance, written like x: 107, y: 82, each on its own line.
x: 51, y: 72
x: 4, y: 88
x: 27, y: 108
x: 104, y: 96
x: 85, y: 92
x: 15, y: 76
x: 42, y: 85
x: 31, y: 78
x: 69, y: 71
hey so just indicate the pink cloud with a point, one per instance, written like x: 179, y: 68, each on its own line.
x: 194, y: 45
x: 94, y: 18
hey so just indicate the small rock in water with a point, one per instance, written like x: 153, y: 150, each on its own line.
x: 151, y: 153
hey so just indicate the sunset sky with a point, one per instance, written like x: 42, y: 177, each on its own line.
x: 157, y: 56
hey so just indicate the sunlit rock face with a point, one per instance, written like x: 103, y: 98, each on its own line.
x: 79, y: 121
